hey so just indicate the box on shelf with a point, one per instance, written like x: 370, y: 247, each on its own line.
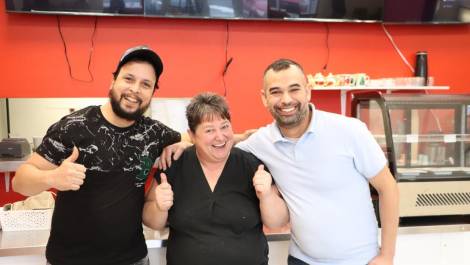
x: 26, y: 220
x: 33, y: 213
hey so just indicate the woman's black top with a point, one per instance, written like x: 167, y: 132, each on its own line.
x: 215, y: 227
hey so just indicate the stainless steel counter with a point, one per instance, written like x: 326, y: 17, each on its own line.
x: 11, y: 164
x: 413, y: 230
x: 20, y: 243
x: 34, y: 242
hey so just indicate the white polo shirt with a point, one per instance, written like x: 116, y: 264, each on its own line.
x: 323, y: 176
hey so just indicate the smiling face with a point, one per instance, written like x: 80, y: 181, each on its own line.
x: 286, y: 95
x: 213, y: 139
x: 132, y: 90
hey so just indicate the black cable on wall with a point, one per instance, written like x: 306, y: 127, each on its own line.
x: 228, y: 61
x: 327, y: 42
x: 7, y: 103
x: 91, y: 79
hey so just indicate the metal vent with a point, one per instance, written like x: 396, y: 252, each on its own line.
x: 443, y: 199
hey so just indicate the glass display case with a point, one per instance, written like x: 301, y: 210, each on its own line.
x: 426, y: 139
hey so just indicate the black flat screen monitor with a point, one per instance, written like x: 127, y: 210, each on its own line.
x: 336, y: 10
x: 427, y: 11
x: 392, y: 11
x: 226, y: 9
x: 157, y: 8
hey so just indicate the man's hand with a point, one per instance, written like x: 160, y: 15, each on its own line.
x: 262, y: 182
x: 164, y: 194
x: 381, y: 260
x: 172, y: 151
x: 69, y: 175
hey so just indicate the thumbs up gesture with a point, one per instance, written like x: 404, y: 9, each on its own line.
x: 262, y: 182
x: 164, y: 194
x: 69, y: 175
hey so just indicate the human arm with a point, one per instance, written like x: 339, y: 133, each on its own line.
x: 274, y: 213
x: 37, y: 175
x: 170, y: 153
x: 387, y: 189
x: 158, y: 201
x: 185, y: 138
x: 243, y: 136
x: 174, y: 146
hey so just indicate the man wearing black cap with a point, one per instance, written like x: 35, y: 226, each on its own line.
x: 98, y: 159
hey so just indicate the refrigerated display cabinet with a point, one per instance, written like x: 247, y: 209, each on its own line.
x: 426, y: 139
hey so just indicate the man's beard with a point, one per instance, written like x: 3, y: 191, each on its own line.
x: 292, y: 121
x: 120, y: 112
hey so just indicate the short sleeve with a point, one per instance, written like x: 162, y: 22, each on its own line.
x: 169, y: 136
x: 58, y: 142
x: 369, y: 158
x: 243, y: 145
x: 169, y: 172
x: 165, y: 136
x: 251, y: 163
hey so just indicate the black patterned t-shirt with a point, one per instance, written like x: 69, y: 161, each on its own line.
x: 101, y: 223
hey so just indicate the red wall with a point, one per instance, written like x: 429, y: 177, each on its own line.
x: 34, y: 65
x: 33, y: 61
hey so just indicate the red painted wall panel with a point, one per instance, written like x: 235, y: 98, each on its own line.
x: 34, y: 63
x: 8, y: 196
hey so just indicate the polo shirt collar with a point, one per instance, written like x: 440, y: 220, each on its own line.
x: 276, y: 135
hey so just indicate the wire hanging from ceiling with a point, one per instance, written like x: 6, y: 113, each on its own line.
x: 397, y: 49
x: 228, y: 61
x: 327, y: 42
x: 90, y: 54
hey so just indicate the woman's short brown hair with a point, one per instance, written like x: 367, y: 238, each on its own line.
x: 206, y: 106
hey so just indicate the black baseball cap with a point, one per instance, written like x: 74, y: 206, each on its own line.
x: 142, y: 53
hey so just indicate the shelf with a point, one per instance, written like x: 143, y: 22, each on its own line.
x: 426, y: 171
x: 348, y: 88
x: 425, y: 138
x: 344, y: 90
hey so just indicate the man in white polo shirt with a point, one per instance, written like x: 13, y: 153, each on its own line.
x: 322, y: 164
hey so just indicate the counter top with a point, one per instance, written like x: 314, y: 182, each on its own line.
x: 18, y: 243
x: 34, y: 242
x: 11, y: 164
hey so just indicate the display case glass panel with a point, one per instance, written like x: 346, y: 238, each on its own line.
x: 427, y: 139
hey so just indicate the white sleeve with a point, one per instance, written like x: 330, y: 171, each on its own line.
x: 369, y: 158
x: 243, y: 145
